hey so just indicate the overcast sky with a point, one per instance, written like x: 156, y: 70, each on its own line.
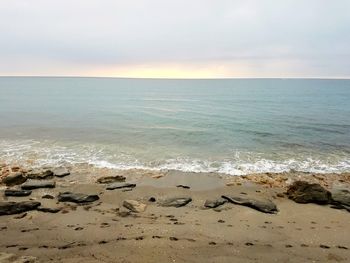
x: 175, y: 38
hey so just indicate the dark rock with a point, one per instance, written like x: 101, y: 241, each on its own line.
x: 14, y: 179
x: 152, y: 199
x: 265, y: 206
x: 304, y: 192
x: 76, y: 197
x: 40, y: 174
x: 111, y: 179
x: 176, y: 201
x: 120, y: 186
x: 61, y: 172
x: 48, y: 196
x: 214, y: 203
x: 34, y: 184
x: 10, y: 192
x: 10, y: 208
x: 20, y: 217
x: 183, y: 186
x: 48, y: 209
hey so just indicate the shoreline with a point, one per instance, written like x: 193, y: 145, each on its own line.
x: 134, y: 224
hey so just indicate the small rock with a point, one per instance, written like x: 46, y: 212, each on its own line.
x: 134, y: 206
x: 48, y: 209
x: 176, y: 201
x: 183, y: 186
x: 111, y: 179
x: 215, y: 203
x: 40, y: 174
x: 34, y: 184
x: 120, y: 186
x: 10, y: 208
x: 47, y: 196
x: 304, y: 192
x: 265, y: 206
x: 14, y: 179
x: 61, y: 172
x: 76, y: 197
x: 10, y: 192
x: 325, y: 246
x: 152, y: 199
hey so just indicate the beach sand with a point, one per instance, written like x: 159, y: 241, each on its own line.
x: 105, y: 231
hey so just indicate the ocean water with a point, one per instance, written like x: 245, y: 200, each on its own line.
x: 232, y: 126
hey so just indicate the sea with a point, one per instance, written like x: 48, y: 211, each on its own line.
x: 230, y: 126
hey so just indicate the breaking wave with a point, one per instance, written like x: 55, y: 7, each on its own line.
x: 35, y: 153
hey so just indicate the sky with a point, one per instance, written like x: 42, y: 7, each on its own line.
x: 175, y: 38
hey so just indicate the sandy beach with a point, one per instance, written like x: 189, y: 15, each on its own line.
x: 148, y: 229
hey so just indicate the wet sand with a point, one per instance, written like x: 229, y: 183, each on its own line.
x: 105, y: 231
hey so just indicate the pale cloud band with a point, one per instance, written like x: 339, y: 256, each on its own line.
x: 159, y: 38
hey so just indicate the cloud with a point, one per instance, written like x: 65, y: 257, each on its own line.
x: 290, y: 38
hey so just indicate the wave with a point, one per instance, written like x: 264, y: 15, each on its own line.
x: 35, y: 153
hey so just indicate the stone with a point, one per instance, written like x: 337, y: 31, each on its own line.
x: 183, y: 186
x: 111, y: 179
x: 14, y: 179
x: 13, y: 192
x: 76, y: 197
x: 48, y: 209
x: 215, y: 203
x: 61, y: 172
x: 152, y: 199
x: 47, y: 196
x: 34, y: 184
x: 134, y: 206
x: 265, y: 206
x: 120, y: 186
x: 304, y: 192
x: 341, y: 198
x: 176, y: 201
x: 39, y: 174
x: 10, y: 208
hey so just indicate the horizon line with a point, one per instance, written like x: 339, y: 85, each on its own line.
x: 169, y: 78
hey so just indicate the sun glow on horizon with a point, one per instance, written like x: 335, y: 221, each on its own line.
x: 169, y: 71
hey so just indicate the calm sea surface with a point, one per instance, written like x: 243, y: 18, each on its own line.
x: 230, y: 126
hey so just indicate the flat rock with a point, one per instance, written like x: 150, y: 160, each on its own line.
x: 134, y: 206
x: 176, y: 201
x: 183, y: 186
x: 265, y: 206
x: 76, y: 197
x: 111, y: 179
x: 47, y: 196
x: 13, y: 192
x: 215, y: 203
x: 304, y: 192
x: 14, y: 179
x: 10, y: 208
x: 34, y: 184
x: 48, y: 209
x: 40, y: 174
x: 61, y: 172
x: 120, y: 186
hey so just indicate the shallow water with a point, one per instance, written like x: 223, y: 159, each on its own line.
x: 230, y: 126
